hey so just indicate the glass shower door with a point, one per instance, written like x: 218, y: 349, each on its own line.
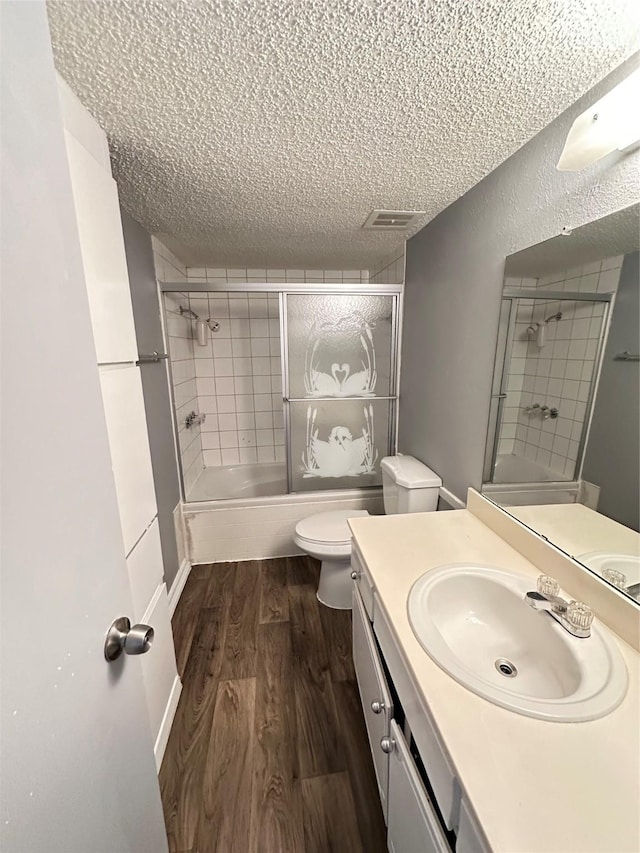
x: 339, y: 388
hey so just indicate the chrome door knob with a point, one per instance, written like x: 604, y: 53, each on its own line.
x: 354, y: 576
x: 386, y: 745
x: 121, y: 637
x: 377, y: 707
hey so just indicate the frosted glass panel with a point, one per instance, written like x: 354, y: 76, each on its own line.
x: 339, y: 345
x: 338, y: 444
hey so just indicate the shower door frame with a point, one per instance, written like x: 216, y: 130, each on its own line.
x: 395, y: 292
x: 283, y: 289
x: 515, y: 293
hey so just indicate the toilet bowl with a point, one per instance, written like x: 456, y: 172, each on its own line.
x: 327, y: 537
x: 407, y: 486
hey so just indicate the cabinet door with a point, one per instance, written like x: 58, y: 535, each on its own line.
x: 130, y: 455
x: 412, y: 824
x: 95, y: 196
x: 374, y: 693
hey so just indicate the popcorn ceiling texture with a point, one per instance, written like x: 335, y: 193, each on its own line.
x: 262, y: 133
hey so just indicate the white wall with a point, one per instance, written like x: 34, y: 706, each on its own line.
x: 391, y: 269
x: 454, y: 278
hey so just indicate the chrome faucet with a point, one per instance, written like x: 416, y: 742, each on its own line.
x: 574, y: 616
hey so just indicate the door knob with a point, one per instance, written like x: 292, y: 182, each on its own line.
x: 377, y: 707
x: 355, y: 575
x: 121, y: 637
x: 386, y: 744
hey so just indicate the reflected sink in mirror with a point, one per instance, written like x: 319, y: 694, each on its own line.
x: 621, y: 570
x: 474, y: 623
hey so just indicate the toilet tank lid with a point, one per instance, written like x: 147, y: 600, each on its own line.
x: 409, y: 472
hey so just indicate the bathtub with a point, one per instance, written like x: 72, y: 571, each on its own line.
x: 240, y: 481
x: 522, y: 482
x: 257, y: 521
x: 510, y: 468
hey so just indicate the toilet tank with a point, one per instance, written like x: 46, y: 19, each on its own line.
x: 408, y: 485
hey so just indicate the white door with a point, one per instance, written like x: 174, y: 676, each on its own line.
x: 77, y: 761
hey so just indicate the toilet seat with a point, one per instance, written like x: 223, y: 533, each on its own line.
x: 329, y: 528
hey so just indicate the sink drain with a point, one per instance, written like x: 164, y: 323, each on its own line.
x: 506, y: 668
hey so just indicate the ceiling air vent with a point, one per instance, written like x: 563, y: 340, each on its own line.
x: 393, y: 220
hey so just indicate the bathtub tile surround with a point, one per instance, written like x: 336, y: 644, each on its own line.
x: 224, y: 275
x: 235, y: 381
x: 179, y: 332
x: 168, y: 266
x: 559, y: 374
x: 239, y: 379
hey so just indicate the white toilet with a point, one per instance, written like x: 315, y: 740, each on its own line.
x: 407, y: 486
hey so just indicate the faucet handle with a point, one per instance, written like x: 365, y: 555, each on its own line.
x: 579, y: 615
x: 615, y: 577
x: 547, y: 585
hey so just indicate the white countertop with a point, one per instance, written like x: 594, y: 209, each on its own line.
x: 534, y: 785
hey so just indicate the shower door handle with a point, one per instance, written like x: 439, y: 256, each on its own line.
x: 498, y: 396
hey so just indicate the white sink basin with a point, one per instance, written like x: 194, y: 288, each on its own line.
x: 474, y: 623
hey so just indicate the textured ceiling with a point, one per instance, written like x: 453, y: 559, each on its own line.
x: 262, y: 132
x: 612, y: 235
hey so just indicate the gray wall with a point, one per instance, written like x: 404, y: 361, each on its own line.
x: 155, y: 386
x: 453, y: 283
x: 612, y: 460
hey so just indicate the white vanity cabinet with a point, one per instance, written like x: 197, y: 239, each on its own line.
x: 414, y: 823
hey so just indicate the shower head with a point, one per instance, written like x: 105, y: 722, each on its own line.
x: 213, y: 325
x: 557, y: 316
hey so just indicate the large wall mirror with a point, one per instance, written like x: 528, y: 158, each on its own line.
x: 563, y: 444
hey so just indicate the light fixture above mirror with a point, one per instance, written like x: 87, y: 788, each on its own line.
x: 612, y: 123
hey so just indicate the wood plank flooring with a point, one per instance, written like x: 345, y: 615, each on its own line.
x: 268, y: 751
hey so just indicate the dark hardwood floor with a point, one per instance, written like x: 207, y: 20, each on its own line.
x: 268, y: 752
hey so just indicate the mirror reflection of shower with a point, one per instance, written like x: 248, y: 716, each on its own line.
x: 539, y: 330
x: 547, y: 363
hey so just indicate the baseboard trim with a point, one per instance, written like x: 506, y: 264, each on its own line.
x: 167, y: 721
x: 178, y: 585
x: 453, y: 501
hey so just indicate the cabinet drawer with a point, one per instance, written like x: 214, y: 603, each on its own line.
x: 435, y: 760
x: 373, y: 689
x: 362, y: 580
x: 413, y: 825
